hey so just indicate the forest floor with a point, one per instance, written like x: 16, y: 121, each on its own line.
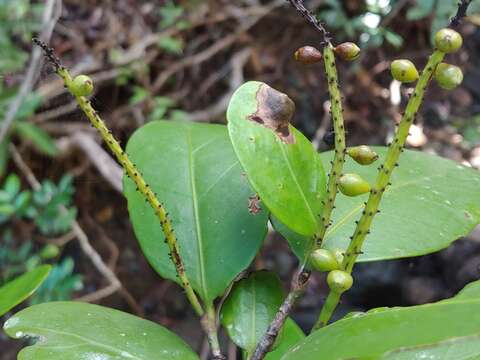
x: 143, y: 61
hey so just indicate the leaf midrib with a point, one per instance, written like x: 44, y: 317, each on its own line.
x: 198, y: 228
x: 295, y: 180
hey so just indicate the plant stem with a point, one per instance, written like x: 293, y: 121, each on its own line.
x: 383, y: 180
x: 300, y: 279
x: 142, y: 187
x: 340, y: 147
x: 299, y: 283
x: 209, y: 323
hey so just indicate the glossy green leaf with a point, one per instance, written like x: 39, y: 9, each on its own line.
x: 19, y: 289
x: 195, y: 173
x: 432, y: 202
x: 289, y: 336
x: 463, y: 348
x: 39, y: 138
x: 288, y: 177
x: 250, y: 307
x: 372, y: 334
x: 80, y: 331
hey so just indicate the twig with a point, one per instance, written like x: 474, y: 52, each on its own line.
x: 237, y: 64
x: 232, y: 351
x: 461, y: 13
x: 308, y: 15
x: 213, y: 49
x: 50, y: 18
x: 109, y: 169
x: 210, y: 326
x: 114, y: 282
x: 297, y: 288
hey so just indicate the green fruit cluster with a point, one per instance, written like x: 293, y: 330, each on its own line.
x: 446, y: 75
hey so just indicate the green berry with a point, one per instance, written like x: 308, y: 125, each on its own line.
x: 448, y: 40
x: 323, y: 260
x: 308, y: 55
x: 404, y: 71
x: 348, y: 51
x: 362, y: 154
x: 448, y: 76
x: 82, y: 85
x: 339, y: 281
x: 353, y: 185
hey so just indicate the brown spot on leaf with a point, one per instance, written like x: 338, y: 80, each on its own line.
x: 254, y: 204
x: 274, y: 111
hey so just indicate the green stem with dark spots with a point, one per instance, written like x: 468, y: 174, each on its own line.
x: 300, y: 279
x: 340, y: 146
x: 142, y: 186
x: 383, y: 180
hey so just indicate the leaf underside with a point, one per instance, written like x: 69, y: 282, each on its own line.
x: 431, y: 203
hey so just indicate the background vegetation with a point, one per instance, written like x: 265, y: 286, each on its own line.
x: 153, y: 60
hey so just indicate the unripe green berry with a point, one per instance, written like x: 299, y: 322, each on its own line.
x: 404, y: 71
x: 308, y: 55
x: 82, y: 85
x: 362, y: 154
x: 353, y: 185
x: 348, y: 51
x: 448, y: 76
x: 339, y: 281
x: 448, y: 40
x: 323, y: 260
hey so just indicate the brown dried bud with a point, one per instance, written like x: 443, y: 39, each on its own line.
x: 308, y: 55
x: 348, y: 51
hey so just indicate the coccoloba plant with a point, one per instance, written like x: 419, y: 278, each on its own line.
x: 208, y: 192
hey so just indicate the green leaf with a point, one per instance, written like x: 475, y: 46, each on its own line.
x: 250, y: 307
x: 462, y: 348
x: 288, y: 177
x: 19, y: 289
x: 289, y: 336
x: 79, y: 331
x: 432, y: 202
x: 194, y: 171
x: 12, y: 185
x: 39, y: 138
x: 171, y: 45
x: 370, y: 335
x: 393, y: 38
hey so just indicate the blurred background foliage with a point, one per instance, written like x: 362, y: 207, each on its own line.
x: 181, y: 60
